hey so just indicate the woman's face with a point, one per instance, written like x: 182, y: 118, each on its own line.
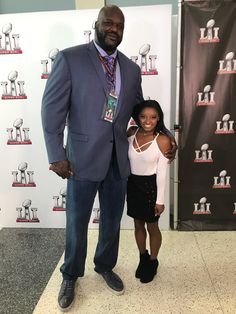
x: 148, y: 119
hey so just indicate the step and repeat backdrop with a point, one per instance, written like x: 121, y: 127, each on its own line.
x: 207, y: 150
x: 31, y: 195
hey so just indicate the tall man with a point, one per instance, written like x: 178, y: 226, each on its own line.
x: 95, y: 95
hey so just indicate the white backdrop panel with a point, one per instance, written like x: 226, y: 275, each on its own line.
x: 38, y: 34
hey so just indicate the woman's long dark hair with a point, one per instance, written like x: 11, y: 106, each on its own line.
x: 160, y: 127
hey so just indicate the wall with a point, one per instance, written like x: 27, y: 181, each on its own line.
x: 16, y: 6
x: 20, y: 6
x: 125, y: 3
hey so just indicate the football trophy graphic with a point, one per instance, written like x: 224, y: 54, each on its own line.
x: 60, y: 201
x: 202, y: 208
x: 26, y: 213
x: 206, y: 98
x: 225, y: 126
x: 15, y: 92
x: 10, y: 44
x: 227, y: 66
x: 209, y: 34
x: 203, y: 155
x: 20, y: 179
x: 48, y: 67
x: 222, y: 181
x: 15, y: 134
x: 143, y: 51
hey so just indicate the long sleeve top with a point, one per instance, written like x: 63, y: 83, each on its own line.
x: 148, y: 162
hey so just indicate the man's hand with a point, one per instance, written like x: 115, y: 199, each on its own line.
x: 61, y: 168
x: 170, y: 154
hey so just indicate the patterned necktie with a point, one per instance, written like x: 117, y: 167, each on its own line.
x: 110, y: 67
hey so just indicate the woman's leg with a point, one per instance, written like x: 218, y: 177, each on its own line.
x: 140, y: 235
x: 155, y: 244
x: 155, y: 239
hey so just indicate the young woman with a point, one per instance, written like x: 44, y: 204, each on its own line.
x: 146, y: 185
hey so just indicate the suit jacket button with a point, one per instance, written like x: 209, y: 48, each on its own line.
x: 111, y: 141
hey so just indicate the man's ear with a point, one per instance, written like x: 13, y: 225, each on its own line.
x: 95, y: 25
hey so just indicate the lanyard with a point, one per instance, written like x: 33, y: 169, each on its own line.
x: 111, y: 77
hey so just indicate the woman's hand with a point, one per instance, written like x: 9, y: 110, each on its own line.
x: 159, y: 209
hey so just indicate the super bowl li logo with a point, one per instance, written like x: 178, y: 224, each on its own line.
x: 227, y: 66
x: 23, y: 178
x: 15, y: 134
x: 87, y: 36
x: 204, y: 155
x: 47, y: 64
x: 202, y: 207
x: 146, y: 68
x: 12, y: 91
x: 209, y: 34
x: 206, y: 97
x: 60, y: 201
x: 27, y: 213
x: 222, y: 181
x: 225, y: 126
x: 9, y: 43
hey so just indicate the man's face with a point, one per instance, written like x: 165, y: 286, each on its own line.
x: 109, y: 30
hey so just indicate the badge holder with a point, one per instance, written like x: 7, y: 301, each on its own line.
x: 110, y: 106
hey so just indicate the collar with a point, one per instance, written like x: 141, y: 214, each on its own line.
x: 103, y: 52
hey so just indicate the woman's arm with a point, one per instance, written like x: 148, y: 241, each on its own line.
x: 164, y: 144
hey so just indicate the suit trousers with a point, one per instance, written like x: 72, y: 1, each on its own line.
x: 80, y: 199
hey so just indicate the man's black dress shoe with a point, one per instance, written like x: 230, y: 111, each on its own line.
x: 113, y: 282
x: 66, y: 295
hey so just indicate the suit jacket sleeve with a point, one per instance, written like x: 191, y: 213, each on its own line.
x: 55, y: 105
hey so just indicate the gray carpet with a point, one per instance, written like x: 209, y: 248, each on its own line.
x: 28, y: 257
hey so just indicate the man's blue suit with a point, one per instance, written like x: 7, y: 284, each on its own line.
x: 96, y: 149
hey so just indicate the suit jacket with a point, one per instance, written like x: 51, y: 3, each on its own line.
x: 76, y: 93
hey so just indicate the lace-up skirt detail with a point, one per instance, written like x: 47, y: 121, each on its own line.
x: 141, y: 197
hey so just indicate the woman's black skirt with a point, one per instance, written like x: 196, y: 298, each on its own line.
x: 141, y: 197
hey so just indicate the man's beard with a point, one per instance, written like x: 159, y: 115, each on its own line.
x: 101, y: 38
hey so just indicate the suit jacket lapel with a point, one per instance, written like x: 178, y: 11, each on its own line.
x: 97, y: 64
x: 122, y: 77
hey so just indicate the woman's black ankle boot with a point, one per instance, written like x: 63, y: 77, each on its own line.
x: 143, y: 261
x: 150, y: 271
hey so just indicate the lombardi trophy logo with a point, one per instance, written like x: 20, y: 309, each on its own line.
x: 209, y: 34
x: 14, y: 93
x: 10, y: 45
x: 203, y: 155
x: 206, y: 98
x: 20, y: 179
x: 17, y: 139
x: 26, y: 213
x: 225, y: 126
x: 227, y: 66
x: 223, y: 181
x: 202, y: 208
x: 52, y: 56
x: 60, y: 201
x: 143, y: 51
x: 87, y: 36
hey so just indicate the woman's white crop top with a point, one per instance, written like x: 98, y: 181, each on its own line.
x: 148, y: 162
